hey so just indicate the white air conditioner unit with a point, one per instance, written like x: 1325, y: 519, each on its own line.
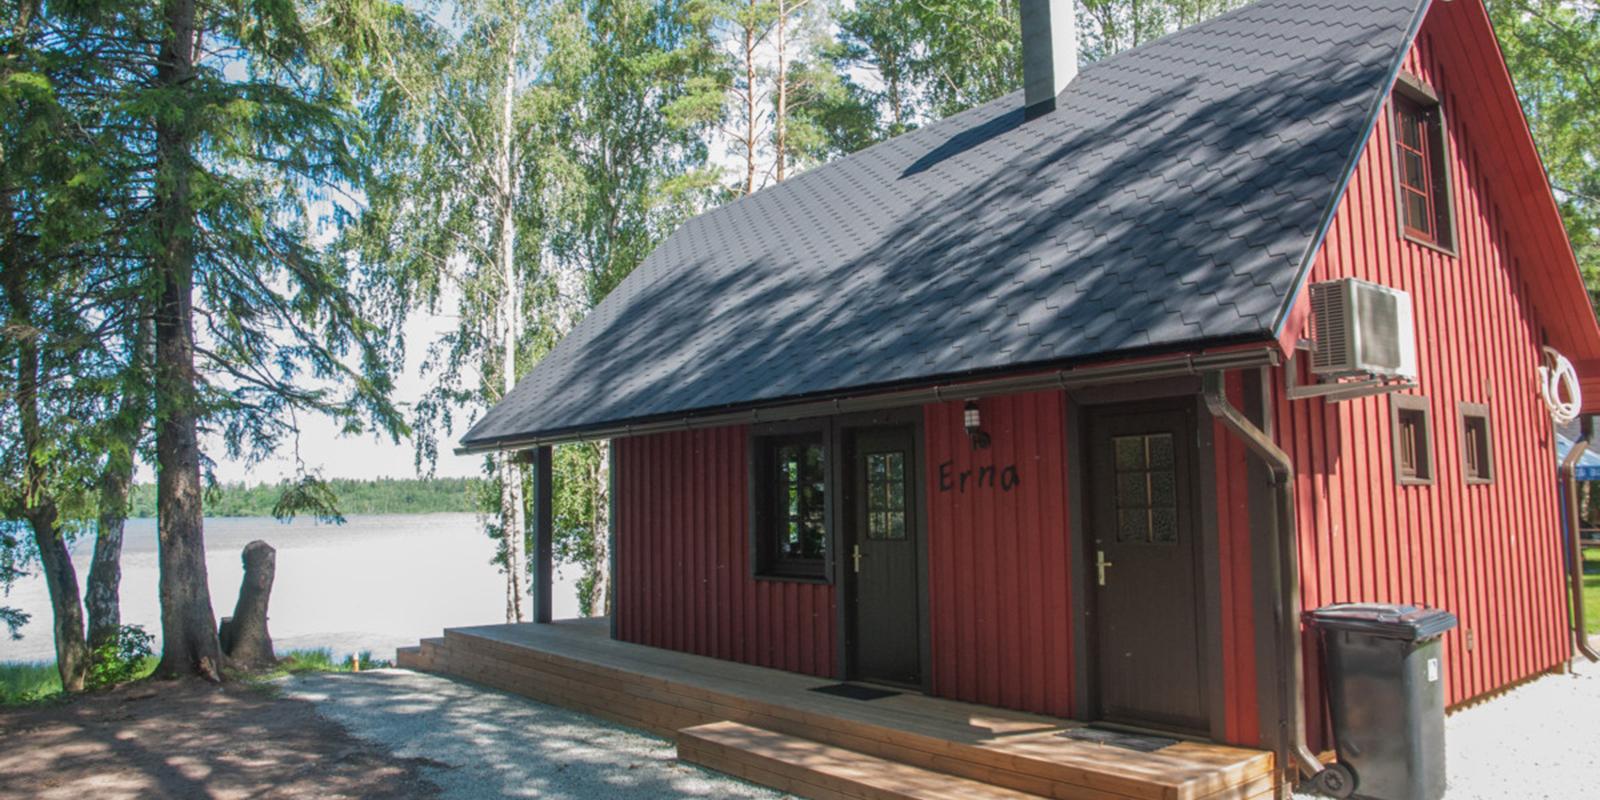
x: 1362, y: 329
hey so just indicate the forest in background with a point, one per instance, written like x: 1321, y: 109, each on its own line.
x: 377, y: 496
x: 216, y: 217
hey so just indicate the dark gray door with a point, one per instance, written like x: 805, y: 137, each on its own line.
x: 881, y: 561
x: 1144, y: 568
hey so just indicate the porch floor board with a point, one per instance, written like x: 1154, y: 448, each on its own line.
x: 577, y: 665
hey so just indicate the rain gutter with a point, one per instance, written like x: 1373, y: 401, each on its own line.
x: 1569, y: 487
x: 1292, y: 748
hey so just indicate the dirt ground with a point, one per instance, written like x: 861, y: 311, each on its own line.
x: 183, y: 740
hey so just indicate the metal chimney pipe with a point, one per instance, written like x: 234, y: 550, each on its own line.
x: 1049, y: 52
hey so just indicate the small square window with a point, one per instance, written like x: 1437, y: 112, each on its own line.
x: 1422, y: 175
x: 1477, y: 446
x: 790, y: 487
x: 1413, y: 439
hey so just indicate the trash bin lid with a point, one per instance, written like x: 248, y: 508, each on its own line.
x: 1412, y: 623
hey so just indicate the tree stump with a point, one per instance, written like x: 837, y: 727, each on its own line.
x: 244, y: 635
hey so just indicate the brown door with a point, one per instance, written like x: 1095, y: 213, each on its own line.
x: 881, y: 558
x: 1144, y: 567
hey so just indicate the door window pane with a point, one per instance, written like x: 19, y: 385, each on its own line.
x: 886, y: 495
x: 1146, y: 488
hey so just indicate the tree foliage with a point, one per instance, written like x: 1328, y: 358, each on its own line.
x: 1552, y: 48
x: 217, y: 215
x: 66, y: 215
x: 171, y: 165
x: 374, y: 496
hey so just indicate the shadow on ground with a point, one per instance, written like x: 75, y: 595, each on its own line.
x: 192, y: 740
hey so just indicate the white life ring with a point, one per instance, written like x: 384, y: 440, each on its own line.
x: 1558, y: 379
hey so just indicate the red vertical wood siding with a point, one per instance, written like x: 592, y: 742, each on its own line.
x: 1489, y: 553
x: 999, y: 592
x: 1231, y: 457
x: 683, y: 559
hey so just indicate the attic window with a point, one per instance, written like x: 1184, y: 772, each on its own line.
x: 1421, y: 172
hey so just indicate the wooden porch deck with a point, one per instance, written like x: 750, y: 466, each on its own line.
x: 768, y: 727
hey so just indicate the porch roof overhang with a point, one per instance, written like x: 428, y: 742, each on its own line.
x: 1155, y: 367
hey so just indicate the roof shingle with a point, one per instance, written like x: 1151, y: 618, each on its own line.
x: 1172, y: 198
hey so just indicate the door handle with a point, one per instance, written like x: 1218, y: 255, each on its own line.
x: 855, y: 556
x: 1100, y: 564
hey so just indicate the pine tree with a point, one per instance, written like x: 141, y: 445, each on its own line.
x: 239, y: 129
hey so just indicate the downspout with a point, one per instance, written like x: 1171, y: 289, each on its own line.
x: 1569, y: 481
x: 1291, y: 672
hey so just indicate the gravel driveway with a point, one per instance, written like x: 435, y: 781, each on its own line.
x: 1538, y: 742
x: 484, y: 743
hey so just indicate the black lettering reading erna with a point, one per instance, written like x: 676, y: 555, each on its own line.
x: 984, y: 477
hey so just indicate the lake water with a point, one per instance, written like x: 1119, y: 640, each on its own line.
x: 374, y: 583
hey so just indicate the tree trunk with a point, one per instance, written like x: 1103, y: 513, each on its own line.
x: 38, y: 503
x: 103, y: 599
x: 780, y: 121
x: 244, y: 635
x: 516, y: 543
x: 105, y: 571
x: 189, y: 643
x: 750, y: 105
x: 890, y: 66
x: 600, y: 593
x: 72, y: 653
x: 511, y: 502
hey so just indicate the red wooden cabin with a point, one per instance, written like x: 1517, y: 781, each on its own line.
x: 1003, y: 410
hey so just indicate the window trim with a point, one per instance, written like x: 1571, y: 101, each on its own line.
x: 1417, y: 403
x: 1469, y: 411
x: 1412, y: 90
x: 765, y: 565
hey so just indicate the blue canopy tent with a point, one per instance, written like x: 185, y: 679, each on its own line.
x: 1587, y: 468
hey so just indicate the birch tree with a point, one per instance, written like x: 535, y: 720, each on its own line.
x: 456, y: 218
x: 626, y: 70
x: 805, y: 88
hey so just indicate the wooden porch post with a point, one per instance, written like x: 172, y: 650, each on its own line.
x: 543, y: 533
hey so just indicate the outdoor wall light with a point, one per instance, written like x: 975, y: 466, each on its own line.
x: 973, y: 422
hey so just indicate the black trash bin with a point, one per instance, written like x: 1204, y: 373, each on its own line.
x: 1385, y: 681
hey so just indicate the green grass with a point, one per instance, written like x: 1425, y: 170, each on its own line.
x: 27, y: 682
x: 321, y: 660
x: 1591, y: 589
x: 32, y: 682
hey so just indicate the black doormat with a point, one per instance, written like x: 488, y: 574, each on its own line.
x: 853, y: 691
x: 1127, y: 741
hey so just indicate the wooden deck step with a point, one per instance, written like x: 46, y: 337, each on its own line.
x: 578, y: 666
x: 820, y: 771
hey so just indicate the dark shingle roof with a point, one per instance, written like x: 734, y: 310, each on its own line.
x: 1172, y: 198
